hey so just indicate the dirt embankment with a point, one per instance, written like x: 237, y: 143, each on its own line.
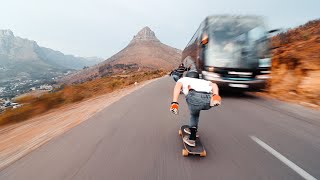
x: 296, y: 65
x: 68, y: 94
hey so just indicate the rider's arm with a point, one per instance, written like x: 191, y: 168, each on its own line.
x: 215, y: 99
x: 215, y: 89
x: 176, y: 91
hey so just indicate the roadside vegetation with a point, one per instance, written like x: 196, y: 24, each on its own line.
x: 68, y: 94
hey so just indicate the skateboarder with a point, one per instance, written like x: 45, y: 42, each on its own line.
x: 200, y: 95
x: 177, y: 73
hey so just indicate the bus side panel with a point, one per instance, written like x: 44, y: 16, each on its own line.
x: 191, y: 51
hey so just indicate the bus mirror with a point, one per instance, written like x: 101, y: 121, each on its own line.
x: 273, y: 31
x: 204, y: 40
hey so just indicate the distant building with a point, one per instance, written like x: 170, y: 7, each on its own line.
x: 7, y: 103
x: 2, y: 108
x: 10, y: 104
x: 56, y: 86
x: 67, y: 73
x: 46, y: 87
x: 16, y: 106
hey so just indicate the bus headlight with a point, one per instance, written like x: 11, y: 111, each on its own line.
x: 263, y: 76
x: 210, y: 74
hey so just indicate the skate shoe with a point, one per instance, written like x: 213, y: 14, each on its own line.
x: 187, y: 130
x: 188, y: 141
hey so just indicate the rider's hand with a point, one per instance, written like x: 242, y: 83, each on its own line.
x: 174, y: 108
x: 215, y: 100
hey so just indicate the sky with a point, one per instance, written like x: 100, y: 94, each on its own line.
x: 102, y: 27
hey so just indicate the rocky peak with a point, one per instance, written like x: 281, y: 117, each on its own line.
x: 145, y: 34
x: 6, y: 32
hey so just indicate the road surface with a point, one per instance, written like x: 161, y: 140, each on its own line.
x: 137, y: 138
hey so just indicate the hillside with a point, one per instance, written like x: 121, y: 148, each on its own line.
x: 39, y: 103
x: 23, y: 55
x: 296, y: 64
x: 25, y: 64
x: 57, y: 58
x: 145, y: 52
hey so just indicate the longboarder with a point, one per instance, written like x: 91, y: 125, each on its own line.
x: 200, y: 95
x: 178, y: 73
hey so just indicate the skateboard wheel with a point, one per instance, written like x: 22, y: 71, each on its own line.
x: 185, y: 152
x: 180, y: 132
x: 204, y: 153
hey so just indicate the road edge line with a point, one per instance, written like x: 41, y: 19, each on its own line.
x: 283, y: 159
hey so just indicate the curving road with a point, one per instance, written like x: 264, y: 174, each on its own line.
x: 137, y: 138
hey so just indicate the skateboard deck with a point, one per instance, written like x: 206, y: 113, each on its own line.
x: 197, y: 150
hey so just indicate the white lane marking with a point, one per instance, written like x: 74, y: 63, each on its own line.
x: 286, y: 161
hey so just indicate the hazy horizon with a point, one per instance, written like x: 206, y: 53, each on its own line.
x: 99, y: 28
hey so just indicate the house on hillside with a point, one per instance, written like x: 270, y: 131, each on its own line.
x: 2, y: 109
x: 46, y: 87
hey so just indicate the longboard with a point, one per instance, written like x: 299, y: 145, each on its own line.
x: 197, y: 150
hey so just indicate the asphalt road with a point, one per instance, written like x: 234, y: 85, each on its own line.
x: 137, y: 138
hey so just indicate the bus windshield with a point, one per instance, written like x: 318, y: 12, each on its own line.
x: 236, y: 45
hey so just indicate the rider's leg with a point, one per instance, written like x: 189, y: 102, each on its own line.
x: 196, y: 102
x: 194, y: 118
x: 175, y: 77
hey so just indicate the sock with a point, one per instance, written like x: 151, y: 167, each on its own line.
x: 193, y: 133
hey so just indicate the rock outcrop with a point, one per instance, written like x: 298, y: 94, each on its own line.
x: 145, y: 34
x: 296, y: 64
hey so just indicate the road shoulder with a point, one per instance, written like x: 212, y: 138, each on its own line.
x: 19, y: 139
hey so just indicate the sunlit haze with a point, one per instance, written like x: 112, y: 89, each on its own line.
x: 102, y: 28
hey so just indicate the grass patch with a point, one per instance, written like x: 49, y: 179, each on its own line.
x: 33, y: 106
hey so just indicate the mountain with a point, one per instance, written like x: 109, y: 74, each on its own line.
x: 145, y: 52
x: 25, y: 64
x: 56, y: 58
x: 23, y: 55
x: 148, y: 52
x: 20, y: 55
x: 296, y: 64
